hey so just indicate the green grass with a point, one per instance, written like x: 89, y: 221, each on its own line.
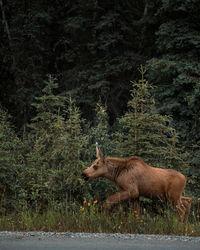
x: 90, y: 217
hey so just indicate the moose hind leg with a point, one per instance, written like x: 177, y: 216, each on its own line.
x: 186, y: 201
x: 175, y: 198
x: 180, y: 210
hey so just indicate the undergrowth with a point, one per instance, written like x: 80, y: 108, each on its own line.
x: 91, y: 217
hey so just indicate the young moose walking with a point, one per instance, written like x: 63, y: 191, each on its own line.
x: 135, y: 178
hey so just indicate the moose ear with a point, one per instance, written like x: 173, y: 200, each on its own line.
x: 99, y: 153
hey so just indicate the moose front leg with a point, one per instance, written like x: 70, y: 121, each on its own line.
x: 136, y: 205
x: 119, y: 197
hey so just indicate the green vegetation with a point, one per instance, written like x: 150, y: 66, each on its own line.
x: 41, y: 185
x: 11, y: 163
x: 69, y: 81
x: 89, y: 217
x: 146, y: 132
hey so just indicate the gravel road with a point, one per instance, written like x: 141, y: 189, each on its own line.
x: 87, y: 241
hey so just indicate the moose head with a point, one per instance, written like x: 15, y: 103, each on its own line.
x: 97, y: 169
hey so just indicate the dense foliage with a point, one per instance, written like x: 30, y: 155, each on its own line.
x: 93, y: 49
x: 45, y: 167
x: 147, y: 133
x: 11, y: 164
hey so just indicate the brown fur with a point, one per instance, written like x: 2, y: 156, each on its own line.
x: 135, y: 178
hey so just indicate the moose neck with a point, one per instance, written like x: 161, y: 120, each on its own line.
x: 115, y: 166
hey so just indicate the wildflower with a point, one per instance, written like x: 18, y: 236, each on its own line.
x: 95, y: 202
x: 141, y: 221
x: 84, y: 202
x: 88, y: 204
x: 82, y: 209
x: 121, y: 222
x: 135, y: 211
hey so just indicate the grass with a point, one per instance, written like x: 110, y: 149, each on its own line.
x: 90, y: 217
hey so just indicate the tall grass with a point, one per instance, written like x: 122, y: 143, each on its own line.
x: 90, y: 217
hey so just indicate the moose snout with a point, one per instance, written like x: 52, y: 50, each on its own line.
x: 84, y: 176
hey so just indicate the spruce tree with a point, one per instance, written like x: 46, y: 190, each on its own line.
x: 146, y: 133
x: 54, y: 164
x: 44, y: 131
x: 101, y: 136
x: 101, y: 129
x: 70, y: 145
x: 11, y: 164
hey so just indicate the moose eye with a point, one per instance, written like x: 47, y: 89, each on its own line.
x: 95, y: 167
